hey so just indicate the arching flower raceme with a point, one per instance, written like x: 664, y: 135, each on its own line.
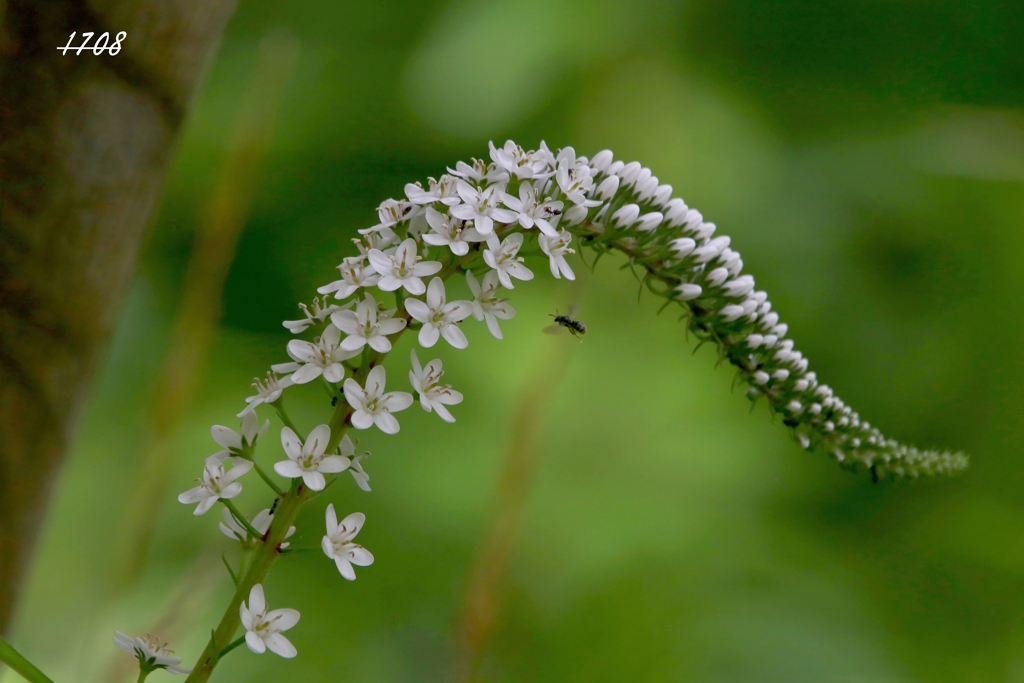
x: 486, y: 304
x: 263, y: 629
x: 308, y: 460
x: 261, y: 522
x: 267, y: 391
x: 502, y: 258
x: 556, y: 248
x: 481, y: 207
x: 433, y: 396
x: 364, y: 327
x: 372, y: 406
x: 216, y: 482
x: 439, y: 318
x: 338, y: 545
x: 234, y: 443
x: 403, y: 269
x: 532, y: 211
x: 151, y: 653
x: 355, y: 275
x: 322, y: 358
x: 450, y: 232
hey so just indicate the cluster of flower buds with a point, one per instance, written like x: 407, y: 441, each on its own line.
x: 476, y: 223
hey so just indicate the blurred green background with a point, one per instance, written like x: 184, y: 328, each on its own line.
x: 866, y: 156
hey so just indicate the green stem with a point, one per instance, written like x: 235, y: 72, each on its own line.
x: 231, y: 647
x: 142, y: 675
x: 234, y: 577
x: 240, y: 518
x: 281, y: 413
x: 20, y: 665
x: 263, y: 559
x: 267, y: 479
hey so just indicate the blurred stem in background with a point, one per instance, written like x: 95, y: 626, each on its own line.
x: 200, y: 310
x: 84, y: 149
x: 481, y: 602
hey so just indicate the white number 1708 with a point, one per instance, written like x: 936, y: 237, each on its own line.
x: 100, y: 46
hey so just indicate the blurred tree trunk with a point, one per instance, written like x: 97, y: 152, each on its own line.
x: 85, y: 142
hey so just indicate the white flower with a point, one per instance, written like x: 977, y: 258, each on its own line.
x: 381, y: 239
x: 433, y: 396
x: 307, y: 460
x: 354, y: 274
x: 502, y: 257
x: 338, y: 545
x: 450, y: 232
x: 267, y: 391
x: 391, y: 212
x: 151, y: 653
x: 314, y: 317
x: 216, y: 483
x: 486, y: 305
x: 364, y: 327
x: 532, y: 211
x: 573, y: 177
x: 261, y: 522
x: 233, y: 442
x: 438, y: 317
x: 479, y: 172
x: 372, y: 405
x: 402, y: 269
x: 348, y: 450
x: 322, y: 358
x: 263, y: 629
x: 481, y: 207
x: 523, y: 165
x: 440, y: 191
x: 556, y: 248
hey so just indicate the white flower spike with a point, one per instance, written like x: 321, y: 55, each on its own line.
x: 308, y: 460
x: 502, y: 258
x: 486, y: 304
x: 403, y: 269
x: 374, y: 407
x: 322, y: 358
x: 338, y: 545
x: 440, y: 319
x: 263, y: 629
x: 151, y: 653
x: 216, y: 483
x: 433, y: 396
x: 364, y: 327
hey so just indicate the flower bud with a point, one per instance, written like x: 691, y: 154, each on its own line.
x: 731, y: 312
x: 682, y: 246
x: 626, y: 216
x: 741, y: 286
x: 575, y: 215
x: 662, y: 195
x: 629, y: 173
x: 717, y: 276
x: 602, y: 160
x: 650, y: 221
x: 688, y: 291
x: 760, y: 377
x: 608, y: 187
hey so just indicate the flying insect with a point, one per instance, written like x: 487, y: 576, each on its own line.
x: 567, y: 322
